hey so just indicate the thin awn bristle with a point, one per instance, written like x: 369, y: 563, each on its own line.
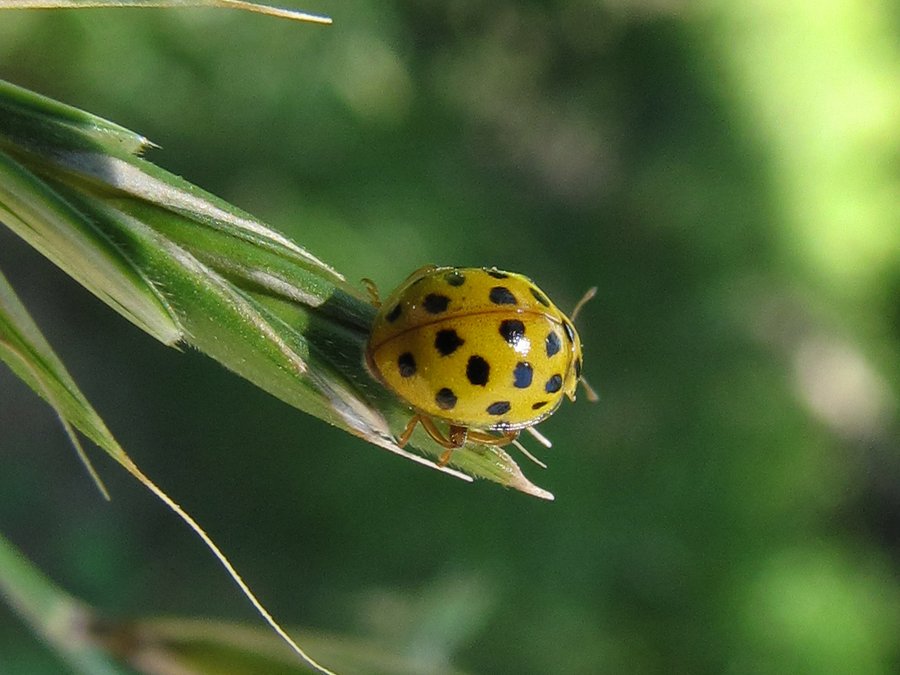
x: 543, y: 440
x: 525, y: 452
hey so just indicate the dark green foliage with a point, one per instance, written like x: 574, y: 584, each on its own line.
x: 730, y: 504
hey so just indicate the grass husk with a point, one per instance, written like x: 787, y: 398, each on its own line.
x: 189, y: 268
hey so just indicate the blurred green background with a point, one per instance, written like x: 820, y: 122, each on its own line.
x: 726, y: 173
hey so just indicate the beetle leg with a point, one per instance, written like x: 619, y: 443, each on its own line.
x: 485, y: 438
x: 458, y: 435
x: 407, y: 431
x: 456, y: 439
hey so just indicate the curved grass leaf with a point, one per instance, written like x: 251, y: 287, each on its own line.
x: 32, y: 209
x: 219, y: 4
x: 29, y: 355
x: 184, y: 264
x: 57, y: 617
x: 24, y: 349
x: 93, y: 643
x: 210, y: 647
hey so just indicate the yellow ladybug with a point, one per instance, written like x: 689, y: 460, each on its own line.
x: 481, y: 349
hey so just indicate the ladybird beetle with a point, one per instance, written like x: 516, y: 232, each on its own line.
x: 478, y: 348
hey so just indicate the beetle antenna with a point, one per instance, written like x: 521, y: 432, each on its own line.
x: 372, y: 290
x: 591, y: 292
x: 589, y: 391
x: 525, y: 452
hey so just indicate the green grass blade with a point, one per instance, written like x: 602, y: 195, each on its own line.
x: 38, y: 214
x: 53, y: 614
x: 220, y: 4
x: 201, y: 645
x: 32, y: 120
x: 30, y: 356
x: 24, y: 349
x: 95, y: 644
x: 225, y: 282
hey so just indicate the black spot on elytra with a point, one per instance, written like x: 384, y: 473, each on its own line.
x: 498, y: 408
x: 552, y: 343
x: 497, y: 274
x: 554, y: 384
x: 540, y: 297
x: 522, y: 375
x: 393, y: 315
x: 455, y: 278
x: 406, y: 364
x: 478, y: 370
x: 435, y: 303
x: 570, y: 332
x: 512, y: 330
x: 578, y: 367
x: 501, y: 295
x: 539, y: 405
x: 447, y: 341
x: 445, y: 399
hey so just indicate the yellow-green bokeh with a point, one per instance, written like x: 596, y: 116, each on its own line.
x: 726, y: 173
